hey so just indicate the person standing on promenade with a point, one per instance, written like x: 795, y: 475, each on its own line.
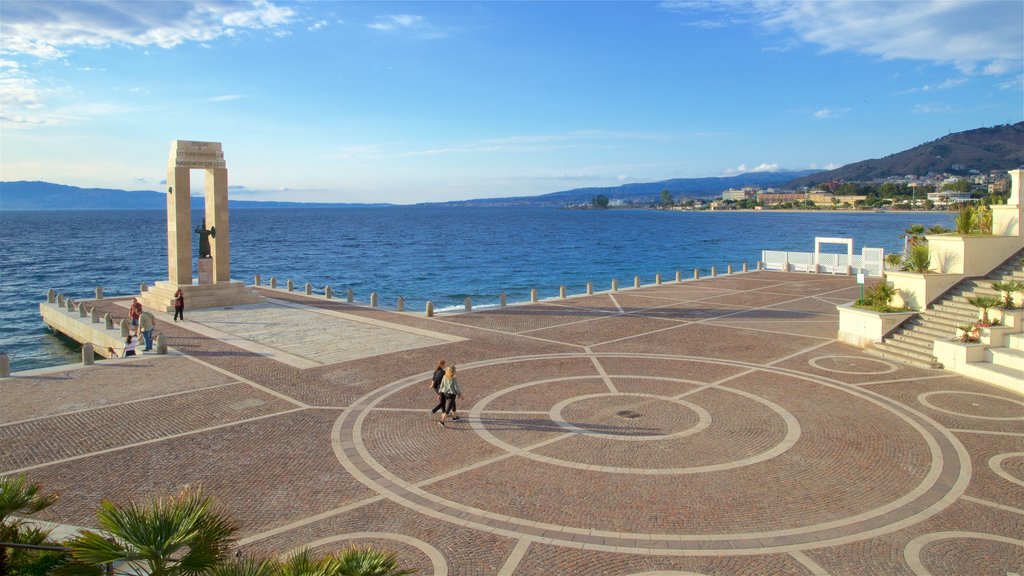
x: 450, y: 390
x: 435, y: 384
x: 129, y: 346
x: 133, y: 312
x: 179, y: 305
x: 146, y: 325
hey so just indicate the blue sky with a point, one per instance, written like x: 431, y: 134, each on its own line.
x: 420, y: 101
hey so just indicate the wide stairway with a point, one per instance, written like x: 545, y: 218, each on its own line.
x: 911, y: 343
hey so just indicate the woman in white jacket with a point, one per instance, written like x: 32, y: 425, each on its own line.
x: 449, y: 390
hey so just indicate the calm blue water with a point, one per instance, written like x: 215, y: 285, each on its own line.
x: 422, y: 253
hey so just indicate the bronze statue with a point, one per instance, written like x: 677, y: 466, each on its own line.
x: 204, y: 238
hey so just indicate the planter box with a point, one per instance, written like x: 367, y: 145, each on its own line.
x: 1012, y: 318
x: 971, y: 255
x: 954, y: 355
x: 995, y: 336
x: 861, y: 327
x: 918, y: 290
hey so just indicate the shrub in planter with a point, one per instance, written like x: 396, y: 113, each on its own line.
x: 877, y: 298
x: 986, y: 303
x: 918, y: 259
x: 968, y: 332
x: 1008, y: 288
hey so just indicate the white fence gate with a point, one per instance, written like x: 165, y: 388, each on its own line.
x: 870, y: 262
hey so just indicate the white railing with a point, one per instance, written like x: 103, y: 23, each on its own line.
x: 870, y: 262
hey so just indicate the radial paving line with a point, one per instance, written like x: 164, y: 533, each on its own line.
x: 811, y: 565
x: 124, y: 403
x: 600, y: 370
x: 991, y: 504
x: 920, y: 502
x: 510, y: 565
x: 151, y: 441
x: 259, y: 387
x: 308, y: 520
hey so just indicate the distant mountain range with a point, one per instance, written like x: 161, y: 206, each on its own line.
x: 983, y: 149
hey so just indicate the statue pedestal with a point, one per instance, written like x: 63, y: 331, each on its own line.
x: 206, y: 271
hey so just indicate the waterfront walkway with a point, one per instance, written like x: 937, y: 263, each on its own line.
x: 707, y: 427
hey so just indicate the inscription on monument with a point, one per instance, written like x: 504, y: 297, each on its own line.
x: 194, y: 154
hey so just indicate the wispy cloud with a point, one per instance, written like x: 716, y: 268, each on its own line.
x: 225, y: 98
x: 412, y: 24
x: 826, y: 113
x: 932, y: 108
x: 744, y: 169
x: 48, y: 30
x: 975, y: 37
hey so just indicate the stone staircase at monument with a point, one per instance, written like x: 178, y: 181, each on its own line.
x: 912, y: 342
x: 160, y: 296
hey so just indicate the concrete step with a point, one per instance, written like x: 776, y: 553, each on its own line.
x: 916, y: 339
x: 1007, y: 357
x: 940, y: 318
x: 996, y: 375
x: 880, y: 351
x: 930, y: 331
x: 892, y: 348
x: 1014, y: 341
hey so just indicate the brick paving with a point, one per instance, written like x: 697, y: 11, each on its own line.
x: 707, y: 427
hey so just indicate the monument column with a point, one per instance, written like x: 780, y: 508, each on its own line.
x: 179, y: 224
x: 216, y: 186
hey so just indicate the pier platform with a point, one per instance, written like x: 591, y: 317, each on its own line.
x: 706, y: 427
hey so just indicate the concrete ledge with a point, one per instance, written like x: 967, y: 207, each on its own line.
x: 861, y: 327
x: 83, y: 330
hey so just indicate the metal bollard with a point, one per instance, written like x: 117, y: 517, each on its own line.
x: 728, y: 269
x: 290, y: 285
x: 657, y: 279
x: 745, y: 267
x: 696, y: 273
x: 533, y: 294
x: 82, y: 312
x: 257, y: 280
x: 309, y: 289
x: 94, y: 315
x: 679, y: 276
x: 430, y: 309
x: 5, y: 365
x: 273, y: 281
x: 88, y: 356
x: 373, y: 299
x: 469, y: 304
x: 108, y: 321
x: 636, y: 281
x: 124, y: 327
x: 51, y: 296
x: 561, y: 291
x: 161, y: 344
x: 99, y: 292
x: 590, y: 287
x: 615, y: 284
x: 328, y: 293
x: 714, y: 271
x: 503, y: 299
x: 401, y: 304
x: 69, y: 304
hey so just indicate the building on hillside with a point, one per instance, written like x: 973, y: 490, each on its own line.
x: 737, y: 195
x: 947, y: 197
x: 772, y: 198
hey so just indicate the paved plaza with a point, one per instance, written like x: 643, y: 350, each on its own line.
x: 711, y: 427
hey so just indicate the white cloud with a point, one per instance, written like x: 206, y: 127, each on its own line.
x: 317, y: 25
x: 49, y: 30
x: 932, y: 108
x: 225, y: 98
x: 407, y: 23
x: 946, y: 85
x: 973, y: 36
x: 744, y: 169
x: 826, y: 113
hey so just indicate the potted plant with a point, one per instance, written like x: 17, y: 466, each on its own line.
x: 1008, y: 288
x: 965, y: 222
x: 967, y: 333
x: 918, y: 258
x: 986, y: 303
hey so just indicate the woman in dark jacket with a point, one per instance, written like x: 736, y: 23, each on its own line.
x: 435, y: 383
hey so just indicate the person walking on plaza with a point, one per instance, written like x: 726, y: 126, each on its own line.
x: 450, y: 390
x: 435, y: 385
x: 146, y: 325
x: 179, y: 305
x: 133, y: 312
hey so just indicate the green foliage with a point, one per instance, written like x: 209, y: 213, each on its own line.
x: 666, y: 198
x: 1008, y: 288
x: 600, y: 201
x: 893, y: 261
x: 175, y: 535
x: 967, y: 332
x: 986, y: 303
x: 19, y: 497
x: 960, y: 185
x: 983, y: 220
x: 938, y: 229
x: 914, y: 235
x: 877, y: 297
x: 918, y: 259
x: 965, y: 221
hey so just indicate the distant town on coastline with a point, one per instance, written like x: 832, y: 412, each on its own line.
x: 963, y: 167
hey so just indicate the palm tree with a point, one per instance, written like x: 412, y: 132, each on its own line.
x: 355, y: 561
x: 19, y: 498
x: 964, y: 221
x: 1008, y: 288
x: 368, y: 561
x: 175, y: 535
x: 912, y: 236
x: 985, y: 303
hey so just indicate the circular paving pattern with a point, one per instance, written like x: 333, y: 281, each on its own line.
x: 852, y: 365
x: 759, y: 441
x: 969, y: 404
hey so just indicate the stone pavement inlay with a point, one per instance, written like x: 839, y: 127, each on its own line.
x: 708, y: 427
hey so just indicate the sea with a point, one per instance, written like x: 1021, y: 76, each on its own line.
x: 437, y: 253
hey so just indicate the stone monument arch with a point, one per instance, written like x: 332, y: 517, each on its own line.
x: 213, y: 287
x: 188, y: 155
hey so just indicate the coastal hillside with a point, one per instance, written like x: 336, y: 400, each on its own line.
x: 22, y: 195
x: 983, y: 149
